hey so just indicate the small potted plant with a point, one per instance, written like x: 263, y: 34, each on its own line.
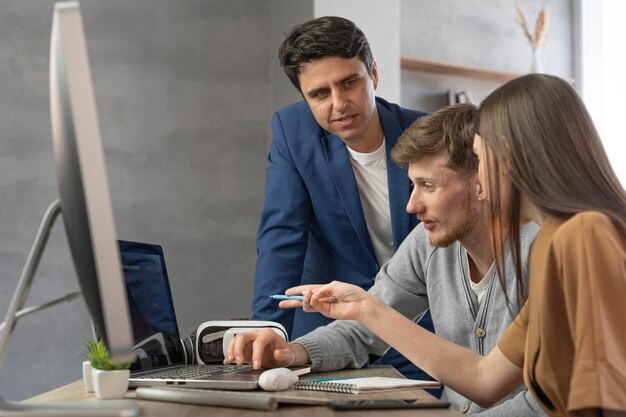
x: 109, y: 380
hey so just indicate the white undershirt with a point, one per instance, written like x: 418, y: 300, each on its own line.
x: 370, y: 171
x: 480, y: 288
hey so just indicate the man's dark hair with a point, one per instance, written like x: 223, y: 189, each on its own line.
x: 321, y: 37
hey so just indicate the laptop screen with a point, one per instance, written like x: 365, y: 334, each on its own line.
x: 155, y: 330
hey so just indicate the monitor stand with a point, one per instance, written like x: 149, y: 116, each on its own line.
x: 98, y: 408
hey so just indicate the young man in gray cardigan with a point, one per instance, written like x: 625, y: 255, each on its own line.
x: 446, y: 265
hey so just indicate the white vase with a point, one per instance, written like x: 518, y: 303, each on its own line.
x: 537, y: 66
x: 110, y: 384
x: 87, y: 376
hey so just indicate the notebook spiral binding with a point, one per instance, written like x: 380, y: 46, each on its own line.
x: 344, y: 388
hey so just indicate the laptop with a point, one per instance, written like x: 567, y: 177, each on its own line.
x: 162, y: 360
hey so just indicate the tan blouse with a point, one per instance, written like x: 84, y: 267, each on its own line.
x: 570, y: 337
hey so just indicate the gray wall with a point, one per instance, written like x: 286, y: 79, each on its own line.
x: 284, y: 15
x: 185, y: 91
x: 184, y: 97
x: 479, y: 33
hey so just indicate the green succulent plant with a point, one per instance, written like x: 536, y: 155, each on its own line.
x: 97, y: 353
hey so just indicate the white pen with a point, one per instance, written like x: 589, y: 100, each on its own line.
x: 287, y: 297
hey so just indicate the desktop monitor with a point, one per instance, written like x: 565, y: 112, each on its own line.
x: 83, y: 186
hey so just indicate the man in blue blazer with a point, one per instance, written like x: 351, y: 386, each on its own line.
x: 334, y: 201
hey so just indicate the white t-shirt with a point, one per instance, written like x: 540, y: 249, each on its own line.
x: 370, y: 171
x: 480, y: 288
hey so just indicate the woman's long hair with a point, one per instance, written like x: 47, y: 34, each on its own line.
x: 537, y: 128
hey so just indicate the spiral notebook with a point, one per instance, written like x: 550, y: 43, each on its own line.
x: 363, y: 385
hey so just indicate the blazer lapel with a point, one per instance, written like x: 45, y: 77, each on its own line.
x: 343, y: 177
x: 398, y: 181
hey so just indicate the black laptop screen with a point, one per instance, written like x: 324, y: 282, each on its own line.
x: 155, y: 330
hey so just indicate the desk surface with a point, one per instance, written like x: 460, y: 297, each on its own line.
x: 76, y: 391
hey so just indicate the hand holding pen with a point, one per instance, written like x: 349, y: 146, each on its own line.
x: 337, y: 300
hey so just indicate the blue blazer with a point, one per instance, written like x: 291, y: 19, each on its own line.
x: 312, y: 227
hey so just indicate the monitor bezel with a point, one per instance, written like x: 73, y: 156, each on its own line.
x: 83, y: 186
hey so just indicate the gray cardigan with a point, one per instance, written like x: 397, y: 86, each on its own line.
x: 421, y: 276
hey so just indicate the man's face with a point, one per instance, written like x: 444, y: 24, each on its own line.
x: 443, y: 199
x: 340, y: 93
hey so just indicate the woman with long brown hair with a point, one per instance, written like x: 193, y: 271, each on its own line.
x: 542, y: 159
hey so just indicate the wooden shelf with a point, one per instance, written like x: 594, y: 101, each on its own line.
x: 440, y: 67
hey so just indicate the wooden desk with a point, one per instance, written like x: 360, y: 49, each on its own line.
x: 76, y: 391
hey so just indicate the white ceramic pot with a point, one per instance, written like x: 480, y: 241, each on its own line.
x: 87, y: 376
x: 110, y: 384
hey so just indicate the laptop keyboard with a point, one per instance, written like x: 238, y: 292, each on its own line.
x: 196, y: 372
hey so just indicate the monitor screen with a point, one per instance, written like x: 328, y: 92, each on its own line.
x: 83, y: 186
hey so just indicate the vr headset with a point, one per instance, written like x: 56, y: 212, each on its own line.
x: 208, y: 343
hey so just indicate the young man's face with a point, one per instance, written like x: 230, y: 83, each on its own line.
x: 340, y: 93
x: 443, y: 200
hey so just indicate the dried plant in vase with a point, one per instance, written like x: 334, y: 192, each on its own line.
x: 536, y: 38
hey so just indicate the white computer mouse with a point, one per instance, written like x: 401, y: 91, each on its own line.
x: 277, y: 379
